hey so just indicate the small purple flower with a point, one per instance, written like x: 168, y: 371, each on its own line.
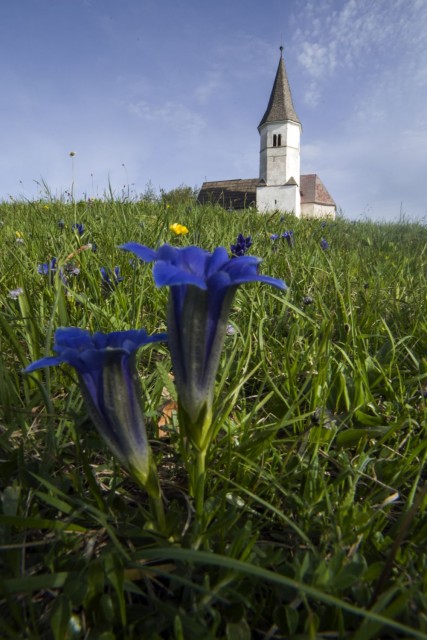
x: 110, y: 280
x: 47, y: 268
x: 71, y: 270
x: 109, y: 383
x: 324, y: 244
x: 79, y: 228
x: 289, y: 237
x: 15, y: 293
x: 241, y: 246
x: 230, y: 330
x: 274, y: 236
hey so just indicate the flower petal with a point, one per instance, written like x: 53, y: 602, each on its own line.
x: 166, y: 274
x: 49, y: 361
x: 72, y: 338
x: 141, y: 251
x: 217, y: 261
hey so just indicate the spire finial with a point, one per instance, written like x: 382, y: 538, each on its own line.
x: 281, y: 50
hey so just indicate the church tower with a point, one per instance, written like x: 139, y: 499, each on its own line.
x: 279, y: 167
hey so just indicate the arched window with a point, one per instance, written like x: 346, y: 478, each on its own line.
x: 279, y: 140
x: 274, y: 140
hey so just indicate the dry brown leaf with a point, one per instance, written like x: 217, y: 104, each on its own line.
x: 167, y: 410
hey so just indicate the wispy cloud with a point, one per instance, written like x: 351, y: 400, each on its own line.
x: 209, y: 85
x: 356, y: 36
x: 174, y: 115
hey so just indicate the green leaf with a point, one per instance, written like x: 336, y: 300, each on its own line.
x: 33, y: 583
x: 60, y: 619
x: 10, y: 500
x: 238, y: 630
x: 40, y: 523
x: 245, y: 568
x: 287, y: 619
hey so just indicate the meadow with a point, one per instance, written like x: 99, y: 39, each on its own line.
x: 312, y: 522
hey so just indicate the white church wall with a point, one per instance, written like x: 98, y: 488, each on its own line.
x: 279, y: 198
x: 279, y: 163
x: 313, y: 210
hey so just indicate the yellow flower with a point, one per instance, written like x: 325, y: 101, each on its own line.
x: 178, y: 229
x: 45, y: 206
x: 18, y: 234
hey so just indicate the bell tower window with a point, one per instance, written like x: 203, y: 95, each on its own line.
x: 274, y: 140
x: 279, y: 140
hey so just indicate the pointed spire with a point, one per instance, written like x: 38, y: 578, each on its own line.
x: 280, y: 106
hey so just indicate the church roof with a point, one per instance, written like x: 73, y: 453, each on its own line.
x: 280, y: 106
x: 313, y: 190
x: 241, y: 194
x: 230, y: 194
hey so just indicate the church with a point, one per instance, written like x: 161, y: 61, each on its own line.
x: 280, y: 185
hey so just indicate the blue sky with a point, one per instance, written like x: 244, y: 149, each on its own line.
x: 171, y: 92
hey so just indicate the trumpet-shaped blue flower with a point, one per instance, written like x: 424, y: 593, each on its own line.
x: 79, y: 228
x: 108, y: 380
x: 47, y: 268
x: 242, y: 245
x: 202, y: 288
x: 289, y: 237
x: 324, y: 244
x: 109, y: 278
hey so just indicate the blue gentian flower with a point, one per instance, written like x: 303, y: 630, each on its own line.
x: 324, y: 244
x: 202, y: 288
x: 79, y: 228
x: 47, y: 267
x: 241, y: 246
x: 109, y: 383
x: 289, y: 237
x: 274, y: 236
x: 110, y: 280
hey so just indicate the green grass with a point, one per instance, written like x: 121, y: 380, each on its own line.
x: 315, y: 516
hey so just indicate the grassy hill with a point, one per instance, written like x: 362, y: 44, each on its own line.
x: 313, y: 522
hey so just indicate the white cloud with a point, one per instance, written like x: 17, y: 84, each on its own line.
x: 174, y: 115
x: 209, y: 85
x: 316, y: 58
x: 362, y: 36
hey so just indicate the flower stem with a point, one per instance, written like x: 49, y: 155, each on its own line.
x: 152, y: 485
x: 158, y: 512
x: 199, y: 483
